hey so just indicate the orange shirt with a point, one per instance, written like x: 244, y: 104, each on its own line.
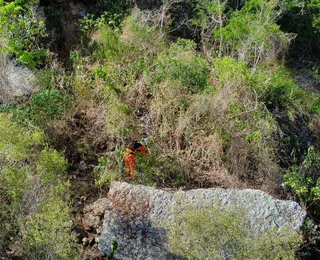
x: 130, y: 160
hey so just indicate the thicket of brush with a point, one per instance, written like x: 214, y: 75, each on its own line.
x: 205, y: 81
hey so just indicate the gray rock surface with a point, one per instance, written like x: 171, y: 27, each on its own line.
x: 135, y: 215
x: 15, y: 80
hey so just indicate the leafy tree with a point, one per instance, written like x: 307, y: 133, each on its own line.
x: 251, y: 34
x: 314, y: 7
x: 210, y: 15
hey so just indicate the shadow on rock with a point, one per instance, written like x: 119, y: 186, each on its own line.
x: 134, y: 239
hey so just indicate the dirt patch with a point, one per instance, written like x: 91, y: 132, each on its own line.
x: 88, y: 219
x: 88, y: 208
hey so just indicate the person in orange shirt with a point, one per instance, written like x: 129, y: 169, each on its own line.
x: 129, y: 156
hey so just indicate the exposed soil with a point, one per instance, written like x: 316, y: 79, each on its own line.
x: 88, y: 207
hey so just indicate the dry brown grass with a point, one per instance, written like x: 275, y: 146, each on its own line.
x: 184, y: 132
x: 254, y: 165
x: 202, y: 162
x: 165, y: 109
x: 192, y: 134
x: 97, y: 37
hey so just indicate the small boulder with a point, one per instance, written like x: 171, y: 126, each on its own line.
x: 15, y: 80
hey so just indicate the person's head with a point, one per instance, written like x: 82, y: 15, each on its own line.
x: 134, y: 145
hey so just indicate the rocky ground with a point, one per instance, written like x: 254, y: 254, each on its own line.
x: 88, y: 219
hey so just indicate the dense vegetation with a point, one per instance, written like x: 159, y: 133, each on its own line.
x: 34, y: 195
x: 224, y: 90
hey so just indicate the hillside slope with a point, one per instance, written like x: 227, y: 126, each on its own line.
x: 225, y: 92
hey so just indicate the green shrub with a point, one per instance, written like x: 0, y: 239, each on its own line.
x: 24, y: 36
x: 52, y: 165
x: 113, y: 7
x: 47, y: 232
x: 109, y: 45
x: 89, y: 23
x: 15, y: 147
x: 109, y: 169
x: 206, y: 231
x: 230, y: 71
x: 34, y: 198
x: 182, y: 63
x: 282, y: 93
x: 274, y: 86
x: 304, y: 179
x: 44, y: 106
x: 314, y: 8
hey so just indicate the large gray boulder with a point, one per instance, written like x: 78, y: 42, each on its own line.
x: 136, y: 214
x: 15, y: 81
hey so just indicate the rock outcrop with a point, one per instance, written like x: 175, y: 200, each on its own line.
x: 15, y: 80
x: 135, y: 214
